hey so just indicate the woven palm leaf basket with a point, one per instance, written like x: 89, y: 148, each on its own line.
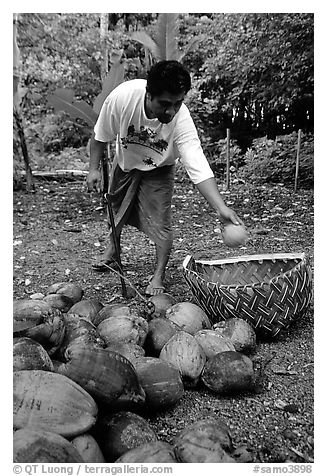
x: 268, y: 291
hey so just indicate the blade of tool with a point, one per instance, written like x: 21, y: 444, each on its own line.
x: 111, y: 223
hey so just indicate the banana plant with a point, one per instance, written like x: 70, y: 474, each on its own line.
x: 64, y: 99
x: 165, y: 44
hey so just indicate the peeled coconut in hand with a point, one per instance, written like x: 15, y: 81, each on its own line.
x: 234, y: 235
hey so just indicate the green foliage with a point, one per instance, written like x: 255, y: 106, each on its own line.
x: 217, y: 154
x: 112, y: 80
x: 69, y: 158
x: 53, y: 133
x: 251, y: 72
x: 164, y: 46
x: 254, y: 70
x: 274, y: 160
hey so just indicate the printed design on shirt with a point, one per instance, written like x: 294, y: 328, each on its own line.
x: 147, y: 138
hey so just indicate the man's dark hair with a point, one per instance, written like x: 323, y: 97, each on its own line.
x: 169, y: 76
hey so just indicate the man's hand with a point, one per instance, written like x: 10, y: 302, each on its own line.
x: 208, y: 188
x: 227, y: 215
x: 93, y: 181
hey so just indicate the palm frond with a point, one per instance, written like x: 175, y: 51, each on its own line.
x: 147, y: 42
x: 167, y: 33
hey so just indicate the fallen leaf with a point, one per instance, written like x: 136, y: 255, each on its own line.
x: 72, y: 230
x: 286, y: 407
x: 283, y: 371
x: 291, y: 408
x: 308, y: 365
x: 288, y: 214
x: 37, y: 296
x: 261, y: 231
x: 298, y: 453
x: 280, y: 404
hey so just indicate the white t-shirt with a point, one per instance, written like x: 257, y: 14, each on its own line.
x: 145, y: 144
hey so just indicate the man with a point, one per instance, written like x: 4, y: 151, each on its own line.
x: 152, y: 128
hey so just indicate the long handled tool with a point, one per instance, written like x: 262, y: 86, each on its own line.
x: 111, y: 221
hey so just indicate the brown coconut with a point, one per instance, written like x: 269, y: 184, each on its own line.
x: 161, y: 381
x: 40, y: 446
x: 185, y: 353
x: 48, y: 401
x: 106, y: 375
x: 79, y: 331
x: 30, y: 355
x: 240, y: 332
x: 228, y: 372
x: 160, y: 330
x: 212, y: 342
x: 153, y: 452
x: 128, y: 349
x: 119, y: 329
x: 59, y: 301
x: 189, y: 317
x: 88, y: 448
x: 72, y: 291
x: 161, y: 302
x: 111, y: 310
x: 122, y: 432
x: 36, y: 319
x: 86, y: 308
x: 208, y: 440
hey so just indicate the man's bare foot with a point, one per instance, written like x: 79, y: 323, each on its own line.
x: 107, y: 259
x: 102, y: 264
x: 155, y: 287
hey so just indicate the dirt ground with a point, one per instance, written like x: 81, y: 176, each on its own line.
x: 60, y: 229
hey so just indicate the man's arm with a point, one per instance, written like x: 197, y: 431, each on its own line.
x: 208, y: 188
x: 93, y: 179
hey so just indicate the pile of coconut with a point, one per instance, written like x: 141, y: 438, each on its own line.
x: 87, y: 374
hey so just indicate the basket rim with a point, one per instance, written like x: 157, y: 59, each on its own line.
x: 244, y: 258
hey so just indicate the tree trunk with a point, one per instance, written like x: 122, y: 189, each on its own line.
x: 20, y: 129
x: 104, y: 23
x: 17, y: 116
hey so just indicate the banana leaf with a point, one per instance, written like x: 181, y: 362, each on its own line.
x: 113, y: 79
x: 147, y: 42
x: 63, y: 100
x: 165, y: 46
x: 166, y: 38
